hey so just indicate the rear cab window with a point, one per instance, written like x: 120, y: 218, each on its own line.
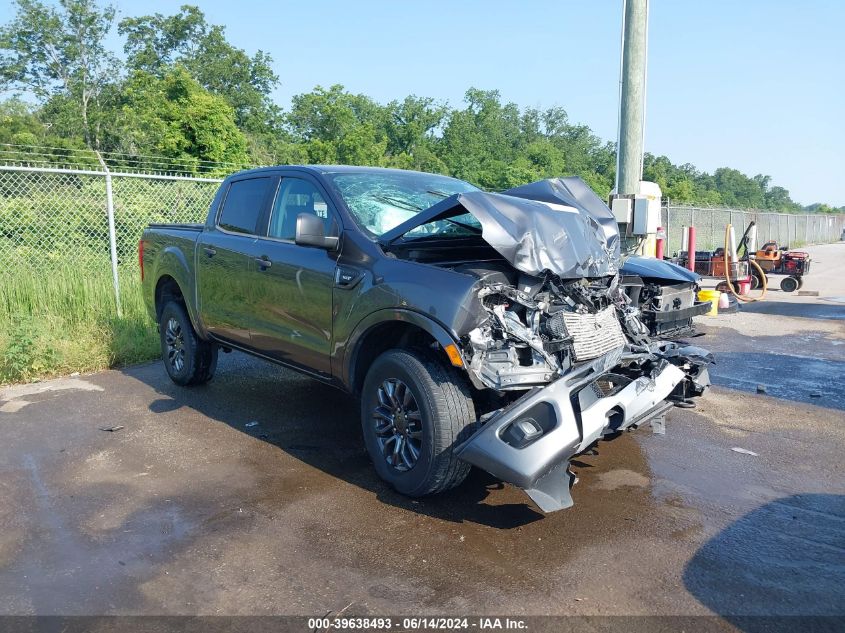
x: 244, y: 204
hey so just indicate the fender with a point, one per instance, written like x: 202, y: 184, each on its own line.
x: 172, y: 262
x: 391, y: 315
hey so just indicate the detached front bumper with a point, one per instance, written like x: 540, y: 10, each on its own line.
x: 670, y: 323
x: 675, y: 316
x: 530, y: 443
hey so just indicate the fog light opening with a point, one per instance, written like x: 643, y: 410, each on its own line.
x: 615, y: 418
x: 520, y: 433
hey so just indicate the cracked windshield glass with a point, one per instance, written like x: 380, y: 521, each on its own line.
x: 381, y: 202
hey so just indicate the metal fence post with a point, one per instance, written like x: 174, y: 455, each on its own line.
x: 712, y: 243
x: 112, y: 235
x: 692, y: 219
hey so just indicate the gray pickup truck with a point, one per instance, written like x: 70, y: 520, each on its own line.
x: 486, y: 329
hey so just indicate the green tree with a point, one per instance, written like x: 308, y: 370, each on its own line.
x: 479, y: 142
x: 191, y: 95
x: 820, y: 207
x: 411, y: 126
x: 677, y: 183
x: 738, y: 190
x: 681, y: 190
x: 778, y: 198
x: 154, y: 43
x: 60, y: 52
x: 19, y: 124
x: 174, y: 116
x: 336, y: 126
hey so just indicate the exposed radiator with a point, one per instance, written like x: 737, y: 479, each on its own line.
x: 676, y: 297
x: 593, y: 334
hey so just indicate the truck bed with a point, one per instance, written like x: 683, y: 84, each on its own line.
x: 180, y: 240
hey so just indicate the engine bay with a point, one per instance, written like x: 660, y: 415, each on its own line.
x: 538, y: 330
x: 549, y: 295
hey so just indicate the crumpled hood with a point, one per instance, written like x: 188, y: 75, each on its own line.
x: 558, y: 225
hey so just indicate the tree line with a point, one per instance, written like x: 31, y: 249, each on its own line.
x: 182, y: 91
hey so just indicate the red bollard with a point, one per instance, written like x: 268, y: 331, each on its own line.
x: 691, y: 249
x: 659, y: 243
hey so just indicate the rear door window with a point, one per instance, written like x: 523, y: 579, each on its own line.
x: 243, y: 205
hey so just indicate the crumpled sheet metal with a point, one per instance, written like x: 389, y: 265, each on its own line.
x: 574, y: 192
x: 534, y: 236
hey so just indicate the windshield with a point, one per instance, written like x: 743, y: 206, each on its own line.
x: 381, y: 201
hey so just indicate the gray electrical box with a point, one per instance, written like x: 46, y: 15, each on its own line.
x: 638, y: 215
x: 641, y: 222
x: 621, y: 208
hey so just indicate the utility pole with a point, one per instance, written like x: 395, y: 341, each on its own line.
x: 629, y: 150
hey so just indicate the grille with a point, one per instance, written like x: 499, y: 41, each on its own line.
x: 593, y: 334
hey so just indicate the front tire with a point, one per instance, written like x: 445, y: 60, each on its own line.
x: 187, y: 358
x: 415, y: 410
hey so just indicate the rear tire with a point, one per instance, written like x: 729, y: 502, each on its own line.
x: 415, y: 410
x: 188, y: 359
x: 789, y: 284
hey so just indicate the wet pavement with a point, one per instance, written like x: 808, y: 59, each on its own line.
x: 192, y: 509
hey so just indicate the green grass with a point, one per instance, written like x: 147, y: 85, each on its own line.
x: 62, y: 321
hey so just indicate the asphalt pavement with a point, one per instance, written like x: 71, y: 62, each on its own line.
x: 253, y: 495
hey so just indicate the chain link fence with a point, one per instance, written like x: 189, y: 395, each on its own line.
x: 787, y: 229
x: 57, y: 218
x: 53, y: 218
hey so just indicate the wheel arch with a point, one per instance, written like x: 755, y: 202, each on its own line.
x: 168, y: 288
x: 171, y: 266
x: 388, y: 329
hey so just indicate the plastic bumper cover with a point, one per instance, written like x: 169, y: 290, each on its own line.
x: 541, y: 465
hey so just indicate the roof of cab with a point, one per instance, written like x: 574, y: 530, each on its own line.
x: 332, y: 169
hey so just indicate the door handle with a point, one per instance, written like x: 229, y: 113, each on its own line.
x: 263, y: 264
x: 209, y: 251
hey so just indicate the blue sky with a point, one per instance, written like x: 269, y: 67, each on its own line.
x: 751, y: 84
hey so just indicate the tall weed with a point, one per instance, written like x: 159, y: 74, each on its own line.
x: 65, y: 320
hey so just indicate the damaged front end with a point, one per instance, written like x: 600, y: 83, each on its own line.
x: 570, y: 334
x: 592, y: 372
x: 560, y: 340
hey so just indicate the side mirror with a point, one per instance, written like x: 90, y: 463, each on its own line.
x: 310, y: 231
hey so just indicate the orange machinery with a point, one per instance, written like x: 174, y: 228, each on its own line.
x: 779, y: 261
